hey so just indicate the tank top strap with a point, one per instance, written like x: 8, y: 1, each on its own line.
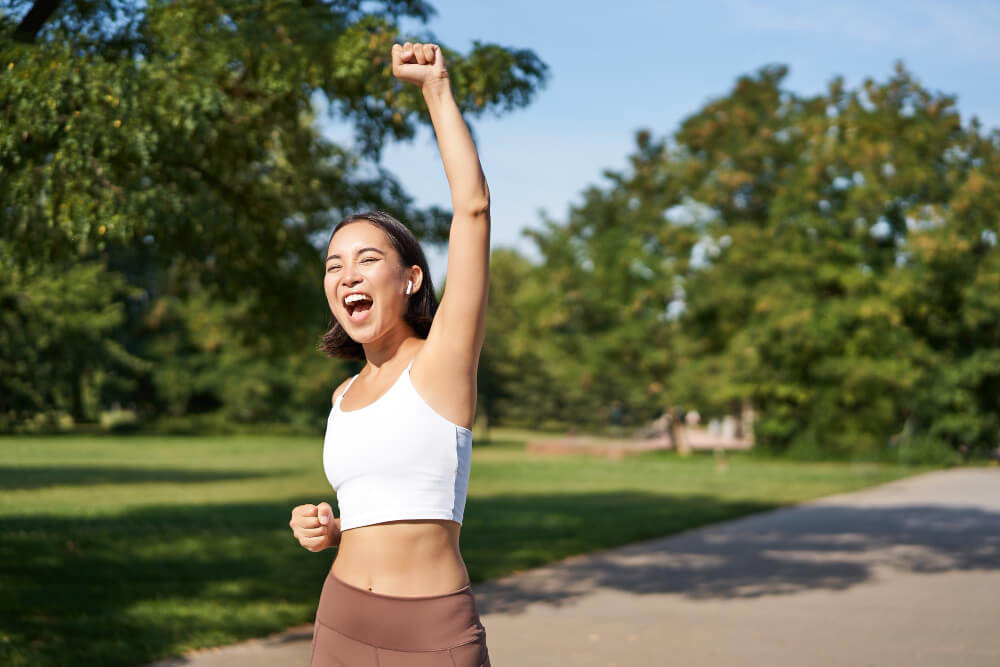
x: 349, y: 383
x: 410, y: 364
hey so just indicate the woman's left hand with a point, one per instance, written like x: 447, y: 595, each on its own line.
x: 420, y: 64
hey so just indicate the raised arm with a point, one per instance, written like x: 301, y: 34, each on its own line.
x: 460, y: 323
x: 423, y: 65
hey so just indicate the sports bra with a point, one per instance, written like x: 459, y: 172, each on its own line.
x: 396, y: 458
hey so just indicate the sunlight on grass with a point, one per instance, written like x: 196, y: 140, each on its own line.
x: 122, y: 551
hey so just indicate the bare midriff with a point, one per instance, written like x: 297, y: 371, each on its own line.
x: 411, y: 557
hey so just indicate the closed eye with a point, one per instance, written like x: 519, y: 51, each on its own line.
x: 374, y: 259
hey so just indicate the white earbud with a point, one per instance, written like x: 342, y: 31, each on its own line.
x: 409, y: 286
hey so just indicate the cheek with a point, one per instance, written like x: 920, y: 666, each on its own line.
x: 330, y: 289
x: 382, y: 282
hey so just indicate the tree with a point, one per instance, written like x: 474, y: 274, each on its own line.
x: 828, y: 203
x: 175, y: 145
x: 191, y: 125
x: 58, y: 351
x: 833, y: 258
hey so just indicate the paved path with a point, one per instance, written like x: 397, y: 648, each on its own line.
x: 906, y: 573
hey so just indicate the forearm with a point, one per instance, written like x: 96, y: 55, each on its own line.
x: 469, y: 192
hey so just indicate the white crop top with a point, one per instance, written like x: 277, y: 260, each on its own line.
x: 396, y: 459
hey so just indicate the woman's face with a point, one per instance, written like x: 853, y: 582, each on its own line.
x: 361, y: 259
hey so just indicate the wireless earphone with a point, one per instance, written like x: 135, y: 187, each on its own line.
x: 409, y: 286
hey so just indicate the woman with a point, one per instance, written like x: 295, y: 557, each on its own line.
x: 398, y: 440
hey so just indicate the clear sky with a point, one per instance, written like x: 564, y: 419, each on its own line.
x: 618, y: 66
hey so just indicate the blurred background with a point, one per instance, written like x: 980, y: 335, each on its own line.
x: 762, y: 228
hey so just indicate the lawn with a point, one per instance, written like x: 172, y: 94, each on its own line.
x: 126, y: 550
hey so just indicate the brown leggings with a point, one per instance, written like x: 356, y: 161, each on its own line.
x: 356, y: 627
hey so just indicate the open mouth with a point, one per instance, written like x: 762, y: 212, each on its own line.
x: 358, y: 306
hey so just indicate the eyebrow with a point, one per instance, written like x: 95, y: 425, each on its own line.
x: 361, y: 250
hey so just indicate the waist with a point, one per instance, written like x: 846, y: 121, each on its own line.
x: 406, y: 558
x: 395, y: 623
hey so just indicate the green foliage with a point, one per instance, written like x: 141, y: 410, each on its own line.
x: 514, y: 385
x: 58, y: 352
x: 193, y: 126
x: 175, y: 144
x: 832, y: 258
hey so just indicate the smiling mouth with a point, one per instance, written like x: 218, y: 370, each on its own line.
x: 359, y: 309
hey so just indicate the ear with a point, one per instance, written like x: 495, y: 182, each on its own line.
x: 417, y: 276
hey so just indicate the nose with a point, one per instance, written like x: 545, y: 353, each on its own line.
x: 351, y: 276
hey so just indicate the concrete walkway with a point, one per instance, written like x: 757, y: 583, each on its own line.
x: 907, y: 573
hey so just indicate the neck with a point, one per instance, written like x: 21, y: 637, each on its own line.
x: 391, y: 346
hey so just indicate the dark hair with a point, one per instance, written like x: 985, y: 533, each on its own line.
x: 423, y: 304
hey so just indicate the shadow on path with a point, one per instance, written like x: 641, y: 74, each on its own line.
x: 831, y: 546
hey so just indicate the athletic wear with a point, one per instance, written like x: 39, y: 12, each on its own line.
x: 396, y: 459
x: 360, y: 628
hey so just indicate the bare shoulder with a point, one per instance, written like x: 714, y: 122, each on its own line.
x: 339, y: 390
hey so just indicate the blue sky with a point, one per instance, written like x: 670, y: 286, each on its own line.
x: 616, y: 67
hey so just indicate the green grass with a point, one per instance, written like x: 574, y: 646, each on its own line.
x: 125, y: 550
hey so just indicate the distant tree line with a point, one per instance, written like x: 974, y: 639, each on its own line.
x: 831, y: 259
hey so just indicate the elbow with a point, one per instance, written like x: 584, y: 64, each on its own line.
x: 478, y: 209
x: 477, y: 205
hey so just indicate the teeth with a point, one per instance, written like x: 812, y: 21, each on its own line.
x: 353, y: 298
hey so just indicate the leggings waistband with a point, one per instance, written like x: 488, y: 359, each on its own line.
x: 400, y: 623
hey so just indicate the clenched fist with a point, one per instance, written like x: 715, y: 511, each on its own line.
x: 420, y: 64
x: 315, y: 526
